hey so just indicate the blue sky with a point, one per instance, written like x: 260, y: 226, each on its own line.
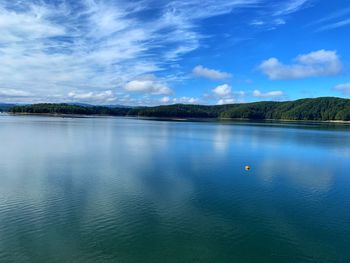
x: 152, y: 52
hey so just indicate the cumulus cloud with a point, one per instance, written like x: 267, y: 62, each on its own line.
x: 165, y: 99
x: 343, y: 88
x: 270, y: 94
x: 148, y: 84
x: 223, y: 90
x: 93, y: 97
x: 226, y: 95
x: 225, y: 101
x: 200, y: 71
x: 314, y: 64
x: 180, y: 100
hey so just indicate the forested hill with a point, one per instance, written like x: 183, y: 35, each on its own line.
x: 318, y: 109
x: 6, y: 106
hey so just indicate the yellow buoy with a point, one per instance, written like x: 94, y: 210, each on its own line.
x: 247, y: 168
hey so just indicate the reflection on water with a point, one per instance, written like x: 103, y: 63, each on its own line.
x: 305, y: 174
x: 128, y: 190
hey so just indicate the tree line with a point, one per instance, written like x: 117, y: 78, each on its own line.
x: 317, y: 109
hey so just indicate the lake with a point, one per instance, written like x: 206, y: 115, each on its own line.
x: 131, y: 190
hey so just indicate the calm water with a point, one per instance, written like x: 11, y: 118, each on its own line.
x: 126, y: 190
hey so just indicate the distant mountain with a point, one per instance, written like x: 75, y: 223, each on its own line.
x: 6, y: 106
x: 318, y: 109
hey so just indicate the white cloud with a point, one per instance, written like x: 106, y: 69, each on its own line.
x: 226, y: 95
x: 90, y: 45
x: 223, y: 90
x: 344, y: 88
x: 276, y: 13
x: 13, y: 93
x: 335, y: 25
x: 267, y: 23
x: 333, y: 20
x: 270, y: 94
x: 147, y: 84
x: 50, y: 48
x: 180, y: 100
x: 279, y: 21
x: 165, y: 99
x: 201, y: 71
x: 93, y: 97
x: 339, y: 14
x: 30, y: 25
x: 314, y: 64
x: 186, y: 100
x: 290, y: 6
x: 257, y: 23
x: 225, y: 101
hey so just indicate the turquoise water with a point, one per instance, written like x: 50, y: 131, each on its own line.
x: 128, y: 190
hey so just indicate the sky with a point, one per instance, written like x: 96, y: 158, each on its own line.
x: 155, y: 52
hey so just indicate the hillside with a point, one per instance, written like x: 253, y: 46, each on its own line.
x: 318, y: 109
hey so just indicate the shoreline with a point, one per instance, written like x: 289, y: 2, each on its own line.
x: 171, y: 118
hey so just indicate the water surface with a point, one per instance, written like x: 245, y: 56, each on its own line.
x: 129, y: 190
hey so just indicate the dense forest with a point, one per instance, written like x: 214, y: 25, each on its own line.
x: 62, y: 108
x: 318, y: 109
